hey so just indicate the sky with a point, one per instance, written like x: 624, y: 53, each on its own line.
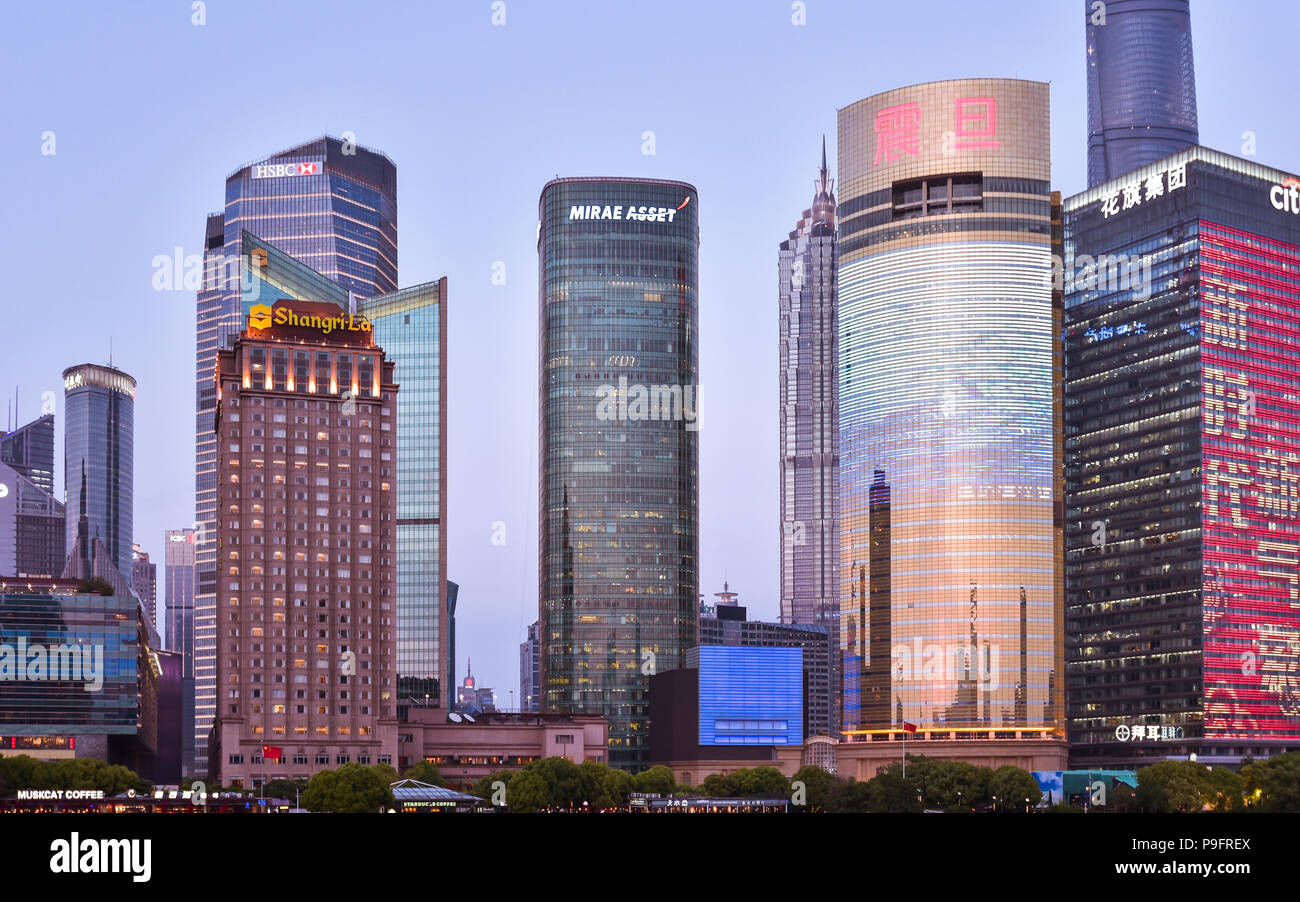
x: 150, y: 112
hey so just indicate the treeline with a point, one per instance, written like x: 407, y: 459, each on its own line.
x: 26, y: 772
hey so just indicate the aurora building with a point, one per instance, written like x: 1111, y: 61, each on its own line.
x: 618, y: 449
x: 951, y: 582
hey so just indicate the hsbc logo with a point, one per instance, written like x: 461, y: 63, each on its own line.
x: 285, y: 170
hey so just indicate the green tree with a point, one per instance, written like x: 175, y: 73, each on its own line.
x: 1013, y: 786
x: 658, y: 779
x: 717, y: 786
x: 562, y: 780
x: 1224, y: 789
x: 527, y: 792
x: 764, y: 781
x: 817, y: 787
x: 892, y: 793
x: 425, y: 772
x: 604, y: 786
x: 291, y: 790
x: 353, y: 788
x: 1274, y: 783
x: 95, y: 585
x: 850, y: 795
x: 1174, y: 786
x: 948, y: 784
x: 23, y: 772
x: 483, y: 788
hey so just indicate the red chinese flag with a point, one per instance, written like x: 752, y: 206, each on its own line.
x: 909, y: 727
x: 274, y: 751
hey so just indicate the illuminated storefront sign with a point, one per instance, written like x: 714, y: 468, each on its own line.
x: 60, y: 794
x: 1142, y: 732
x: 284, y: 170
x: 263, y: 317
x: 1132, y: 194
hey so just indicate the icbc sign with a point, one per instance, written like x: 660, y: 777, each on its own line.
x: 284, y: 170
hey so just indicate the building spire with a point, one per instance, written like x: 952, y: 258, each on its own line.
x: 824, y: 173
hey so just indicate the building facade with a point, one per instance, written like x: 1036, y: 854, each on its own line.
x: 32, y: 527
x: 618, y: 448
x: 99, y: 454
x: 29, y: 450
x: 77, y: 676
x: 809, y: 422
x: 529, y: 671
x: 1141, y: 84
x: 727, y: 625
x: 1183, y: 499
x: 951, y: 582
x: 328, y: 203
x: 144, y: 580
x: 307, y: 535
x: 178, y: 635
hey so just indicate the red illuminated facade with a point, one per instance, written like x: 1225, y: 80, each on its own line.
x: 1182, y: 450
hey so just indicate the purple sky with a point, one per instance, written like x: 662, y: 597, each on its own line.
x: 150, y: 113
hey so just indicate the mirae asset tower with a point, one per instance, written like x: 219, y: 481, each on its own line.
x: 306, y: 424
x: 618, y: 516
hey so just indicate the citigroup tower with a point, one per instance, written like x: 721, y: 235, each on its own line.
x: 951, y: 581
x: 618, y: 449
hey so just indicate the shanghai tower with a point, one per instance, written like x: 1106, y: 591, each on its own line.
x: 1141, y: 84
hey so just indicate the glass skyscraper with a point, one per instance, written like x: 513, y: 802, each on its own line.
x: 1183, y: 463
x: 328, y: 203
x: 809, y: 423
x: 951, y: 583
x: 29, y: 450
x: 99, y: 458
x: 1141, y: 84
x: 618, y: 458
x: 179, y: 585
x: 411, y: 326
x: 32, y: 526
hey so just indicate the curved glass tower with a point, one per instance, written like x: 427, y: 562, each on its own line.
x: 618, y: 522
x: 1141, y: 85
x: 99, y: 457
x: 951, y: 582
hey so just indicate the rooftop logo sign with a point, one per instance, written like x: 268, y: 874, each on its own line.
x: 1286, y: 196
x: 261, y: 317
x: 630, y: 212
x: 284, y: 170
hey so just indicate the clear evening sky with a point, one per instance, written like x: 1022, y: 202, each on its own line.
x: 150, y: 113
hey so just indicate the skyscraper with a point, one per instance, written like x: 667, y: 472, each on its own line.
x: 29, y: 450
x: 948, y: 434
x: 32, y: 524
x: 529, y: 670
x: 307, y: 660
x: 1141, y: 84
x: 809, y: 427
x: 144, y: 580
x: 328, y: 203
x: 411, y: 326
x: 178, y: 581
x: 809, y: 461
x: 618, y: 450
x: 98, y: 455
x: 1182, y: 486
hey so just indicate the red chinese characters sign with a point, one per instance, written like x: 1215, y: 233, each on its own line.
x: 898, y: 129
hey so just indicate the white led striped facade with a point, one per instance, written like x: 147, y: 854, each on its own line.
x: 951, y: 581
